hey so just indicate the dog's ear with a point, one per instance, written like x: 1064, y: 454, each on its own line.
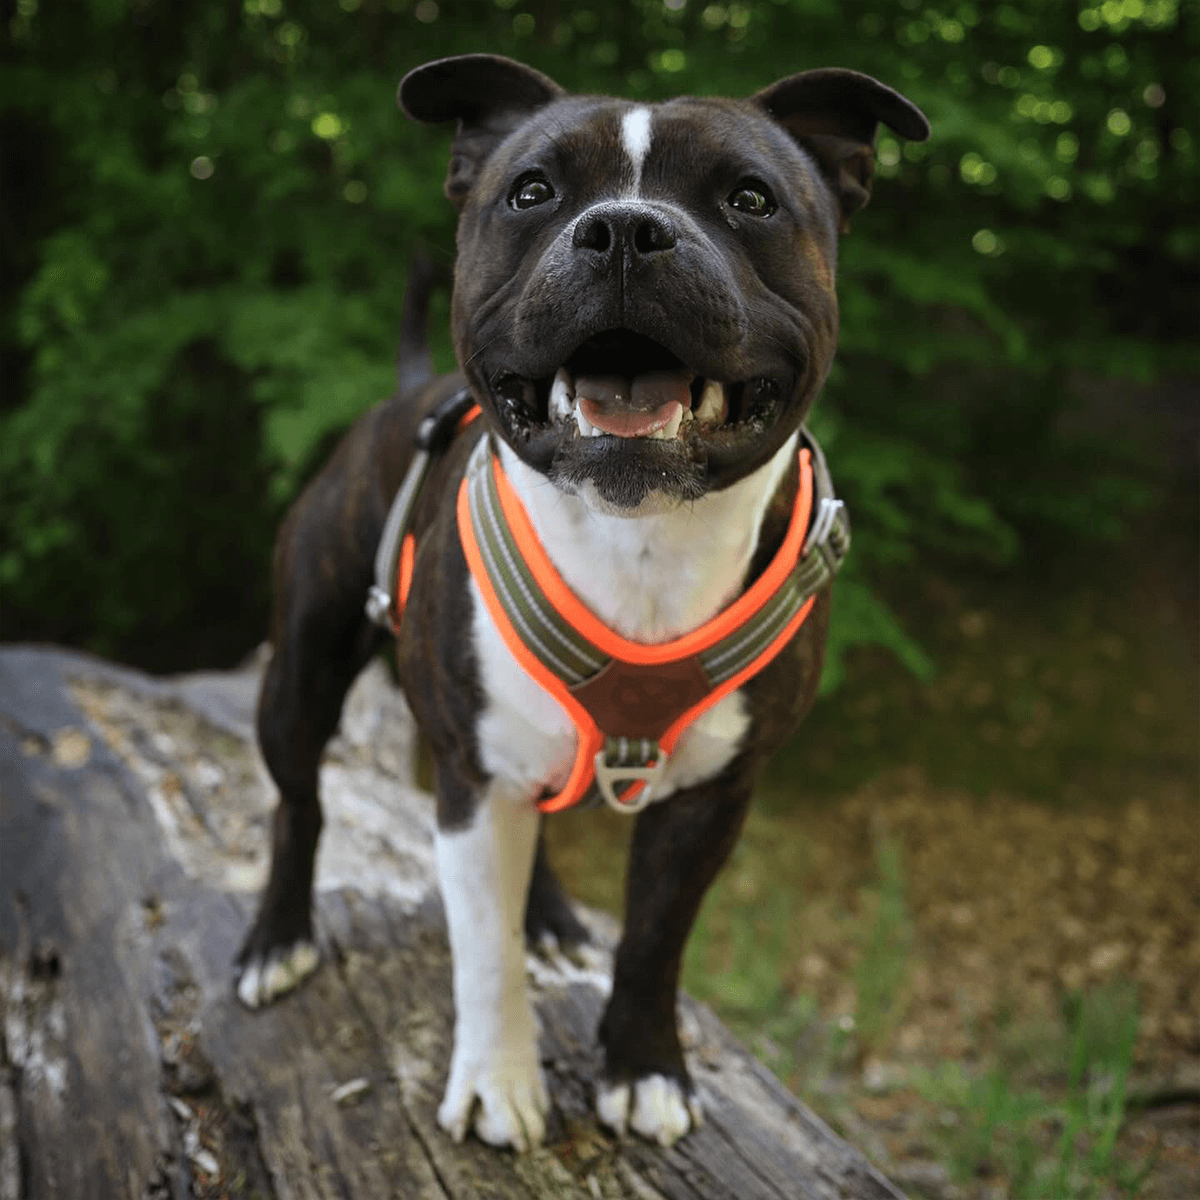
x: 833, y: 113
x: 488, y: 95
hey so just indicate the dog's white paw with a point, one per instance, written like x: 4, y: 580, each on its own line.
x: 511, y: 1091
x: 565, y: 956
x: 656, y: 1107
x: 265, y: 979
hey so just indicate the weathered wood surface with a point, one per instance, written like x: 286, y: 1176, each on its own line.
x: 132, y: 840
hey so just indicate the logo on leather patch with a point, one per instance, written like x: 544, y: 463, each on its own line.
x: 639, y: 700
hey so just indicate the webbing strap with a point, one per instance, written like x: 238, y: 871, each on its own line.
x: 556, y: 643
x: 396, y: 552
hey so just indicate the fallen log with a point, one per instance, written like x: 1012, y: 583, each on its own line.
x: 133, y: 833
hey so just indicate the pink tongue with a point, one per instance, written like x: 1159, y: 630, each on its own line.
x: 629, y: 424
x: 633, y: 408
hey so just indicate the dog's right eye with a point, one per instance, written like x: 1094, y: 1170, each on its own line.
x: 530, y: 191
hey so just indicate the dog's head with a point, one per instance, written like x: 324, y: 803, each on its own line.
x: 644, y: 294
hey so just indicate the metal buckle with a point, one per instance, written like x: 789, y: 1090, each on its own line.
x: 818, y: 535
x: 827, y: 512
x: 648, y: 774
x: 379, y: 606
x: 438, y: 427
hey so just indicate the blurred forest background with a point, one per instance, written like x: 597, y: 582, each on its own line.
x: 208, y: 213
x: 210, y: 208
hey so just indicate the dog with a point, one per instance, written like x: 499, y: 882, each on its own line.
x: 643, y: 312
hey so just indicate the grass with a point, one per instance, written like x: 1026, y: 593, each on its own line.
x: 743, y: 977
x: 1038, y: 1120
x: 1057, y: 1141
x: 886, y: 941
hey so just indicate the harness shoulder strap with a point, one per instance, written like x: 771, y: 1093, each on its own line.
x: 396, y: 553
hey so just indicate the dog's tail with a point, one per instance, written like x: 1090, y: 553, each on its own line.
x: 414, y: 363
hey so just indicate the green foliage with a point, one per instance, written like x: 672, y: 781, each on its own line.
x: 744, y: 977
x: 211, y: 208
x: 886, y: 945
x: 1004, y: 1127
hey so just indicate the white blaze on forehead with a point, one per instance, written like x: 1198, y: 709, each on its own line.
x: 635, y: 137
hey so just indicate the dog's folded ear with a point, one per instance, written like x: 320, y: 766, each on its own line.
x: 833, y: 114
x: 489, y: 96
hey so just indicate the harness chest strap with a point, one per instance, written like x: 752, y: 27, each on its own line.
x: 630, y: 702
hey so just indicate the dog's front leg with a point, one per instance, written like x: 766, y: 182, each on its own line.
x: 678, y: 846
x: 485, y: 851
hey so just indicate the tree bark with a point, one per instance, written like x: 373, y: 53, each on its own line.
x: 133, y: 833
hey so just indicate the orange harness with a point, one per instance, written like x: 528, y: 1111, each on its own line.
x: 630, y: 702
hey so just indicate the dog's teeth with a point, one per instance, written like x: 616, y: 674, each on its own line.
x: 586, y: 428
x: 561, y: 398
x: 671, y: 428
x: 712, y: 407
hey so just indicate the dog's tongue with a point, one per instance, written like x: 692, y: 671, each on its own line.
x: 633, y: 407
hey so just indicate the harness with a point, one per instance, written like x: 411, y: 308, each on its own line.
x: 630, y: 702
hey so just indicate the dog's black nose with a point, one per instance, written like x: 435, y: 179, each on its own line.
x: 632, y: 231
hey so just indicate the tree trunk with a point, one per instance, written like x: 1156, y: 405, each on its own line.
x: 133, y: 833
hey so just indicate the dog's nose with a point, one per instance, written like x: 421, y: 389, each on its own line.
x: 633, y: 231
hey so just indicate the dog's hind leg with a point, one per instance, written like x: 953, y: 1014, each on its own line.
x: 550, y: 925
x: 322, y: 640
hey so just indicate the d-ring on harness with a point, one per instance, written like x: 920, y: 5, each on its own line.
x: 630, y: 702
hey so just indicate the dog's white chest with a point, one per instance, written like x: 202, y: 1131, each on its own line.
x: 650, y: 578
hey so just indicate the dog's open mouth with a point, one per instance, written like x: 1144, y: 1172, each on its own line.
x: 626, y: 385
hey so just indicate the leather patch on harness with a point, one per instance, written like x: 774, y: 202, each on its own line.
x: 642, y: 700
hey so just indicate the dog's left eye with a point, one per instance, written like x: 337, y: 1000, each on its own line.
x: 752, y: 198
x: 530, y: 191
